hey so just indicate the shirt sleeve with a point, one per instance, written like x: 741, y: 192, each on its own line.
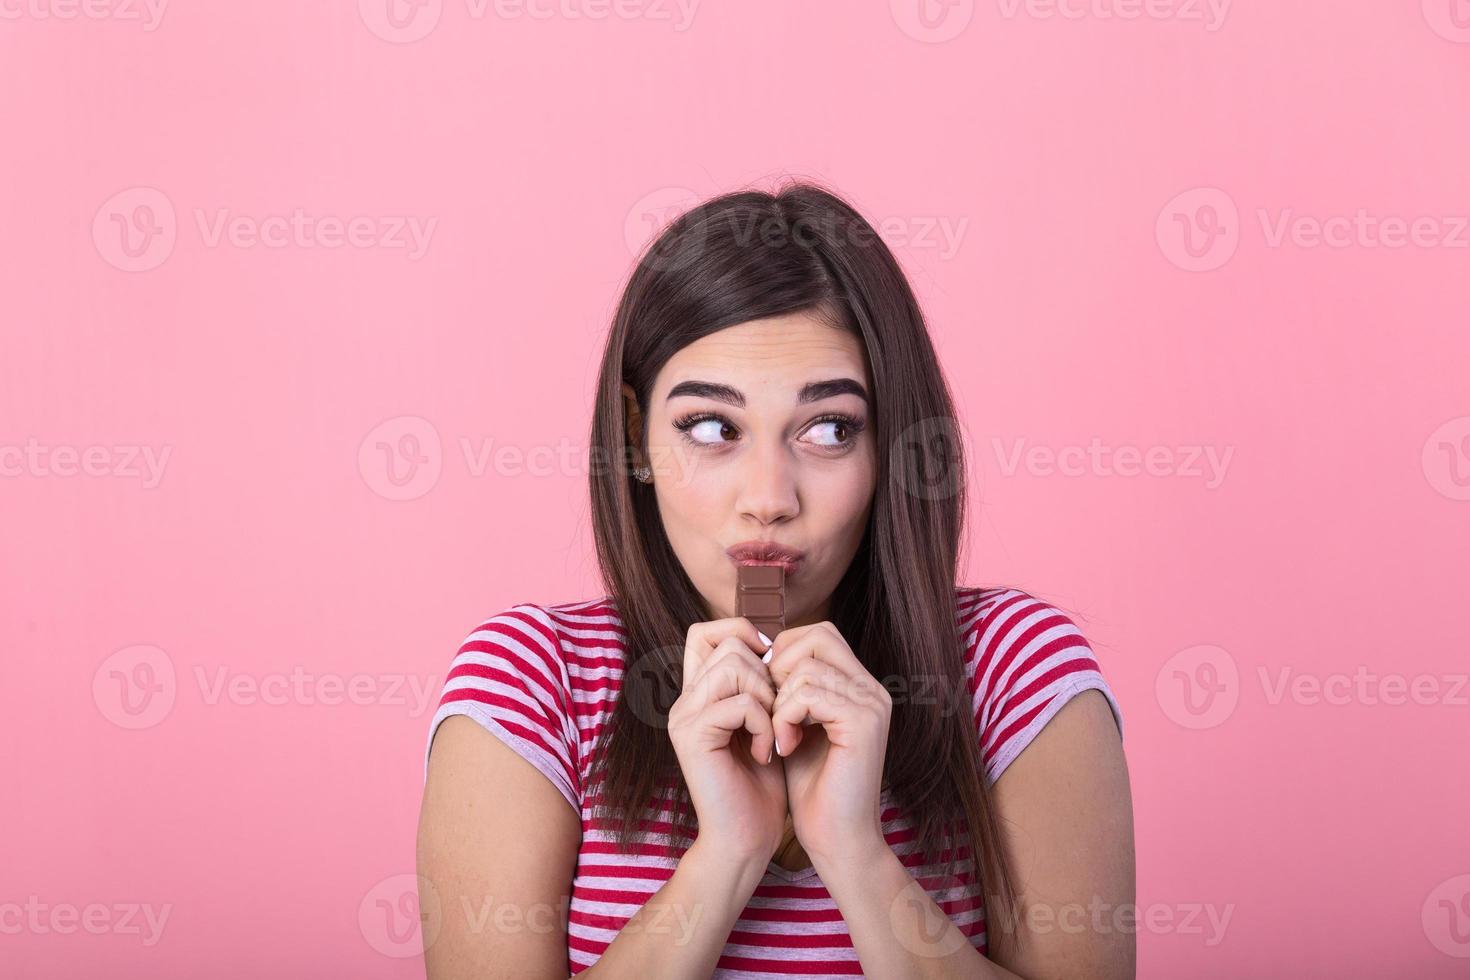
x: 1028, y: 660
x: 510, y: 677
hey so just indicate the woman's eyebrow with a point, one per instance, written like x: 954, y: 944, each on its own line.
x: 812, y: 391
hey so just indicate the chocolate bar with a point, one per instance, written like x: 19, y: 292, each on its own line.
x: 760, y: 596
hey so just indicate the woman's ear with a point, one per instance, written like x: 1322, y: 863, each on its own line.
x: 633, y: 416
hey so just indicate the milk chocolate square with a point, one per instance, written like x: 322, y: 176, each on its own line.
x: 760, y: 597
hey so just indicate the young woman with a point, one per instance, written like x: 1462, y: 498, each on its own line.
x: 640, y: 785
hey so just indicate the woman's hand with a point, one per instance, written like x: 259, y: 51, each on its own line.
x: 834, y: 765
x: 739, y: 797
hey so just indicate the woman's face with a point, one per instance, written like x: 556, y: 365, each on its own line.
x: 749, y: 440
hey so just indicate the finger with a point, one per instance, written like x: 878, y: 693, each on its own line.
x: 819, y: 641
x: 806, y: 674
x: 702, y: 639
x: 813, y: 695
x: 734, y: 669
x: 721, y: 720
x: 732, y: 646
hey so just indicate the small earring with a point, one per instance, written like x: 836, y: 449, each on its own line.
x: 643, y: 473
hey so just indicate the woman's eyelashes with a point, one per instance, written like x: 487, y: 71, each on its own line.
x: 707, y: 429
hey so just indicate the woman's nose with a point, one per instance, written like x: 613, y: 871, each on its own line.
x: 768, y: 485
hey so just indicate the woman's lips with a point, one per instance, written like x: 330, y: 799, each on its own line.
x: 789, y: 565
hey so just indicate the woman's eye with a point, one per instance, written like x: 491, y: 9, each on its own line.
x: 837, y: 431
x: 712, y: 429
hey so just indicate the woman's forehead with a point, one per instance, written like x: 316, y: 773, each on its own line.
x: 778, y: 352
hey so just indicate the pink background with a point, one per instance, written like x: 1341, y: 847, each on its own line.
x: 1066, y: 156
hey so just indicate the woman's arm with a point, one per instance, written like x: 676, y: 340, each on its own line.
x: 1066, y: 806
x: 681, y: 931
x: 499, y: 844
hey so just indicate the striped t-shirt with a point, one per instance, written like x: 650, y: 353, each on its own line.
x: 543, y: 678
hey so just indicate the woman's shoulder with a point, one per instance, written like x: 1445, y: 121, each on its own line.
x: 581, y: 622
x: 569, y: 630
x: 1005, y: 629
x: 602, y: 608
x: 982, y: 607
x: 1025, y: 658
x: 564, y: 619
x: 551, y: 643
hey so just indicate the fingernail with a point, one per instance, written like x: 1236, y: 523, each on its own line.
x: 771, y: 754
x: 778, y: 748
x: 764, y: 638
x: 766, y: 657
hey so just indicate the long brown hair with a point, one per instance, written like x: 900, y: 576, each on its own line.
x: 749, y: 255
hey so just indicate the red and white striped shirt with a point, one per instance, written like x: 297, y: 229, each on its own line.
x: 544, y: 679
